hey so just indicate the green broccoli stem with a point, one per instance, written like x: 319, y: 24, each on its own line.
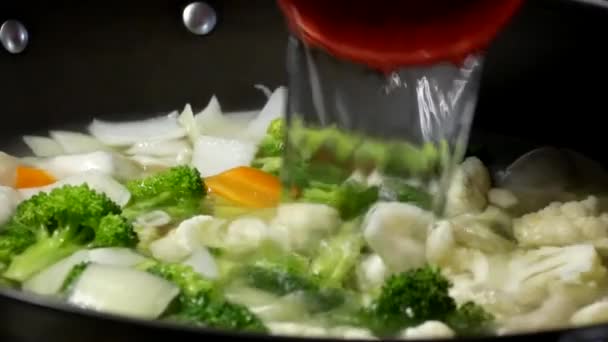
x: 42, y: 254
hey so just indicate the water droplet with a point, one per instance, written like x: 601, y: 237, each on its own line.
x: 13, y: 36
x: 199, y: 18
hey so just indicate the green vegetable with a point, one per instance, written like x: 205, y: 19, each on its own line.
x: 272, y: 145
x: 394, y: 189
x: 200, y: 302
x: 338, y: 256
x: 73, y: 276
x: 270, y: 165
x: 281, y: 275
x: 350, y: 198
x: 177, y: 191
x: 51, y: 226
x: 410, y: 298
x: 470, y: 320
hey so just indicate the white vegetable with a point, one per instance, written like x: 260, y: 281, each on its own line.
x: 43, y: 146
x: 306, y: 223
x: 440, y: 243
x: 213, y: 155
x: 186, y: 119
x: 595, y: 313
x: 152, y: 219
x: 562, y: 224
x: 122, y: 291
x: 160, y: 163
x: 8, y: 169
x: 428, y: 330
x: 75, y: 142
x: 269, y: 307
x: 9, y: 199
x: 398, y: 232
x: 264, y: 89
x: 296, y: 329
x: 49, y: 280
x: 211, y: 122
x: 165, y: 148
x: 109, y: 163
x: 531, y: 272
x: 203, y: 262
x: 468, y: 189
x: 274, y: 108
x: 502, y: 198
x: 130, y: 132
x: 371, y: 273
x: 552, y: 314
x: 246, y: 234
x: 96, y: 180
x: 483, y: 232
x: 350, y: 333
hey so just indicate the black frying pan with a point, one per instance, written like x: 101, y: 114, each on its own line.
x: 123, y: 59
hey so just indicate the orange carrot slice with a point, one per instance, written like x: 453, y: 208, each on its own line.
x: 246, y: 186
x: 30, y: 177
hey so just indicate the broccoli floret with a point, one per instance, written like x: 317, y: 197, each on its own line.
x: 394, y: 189
x: 190, y: 282
x: 410, y: 298
x: 209, y: 312
x: 177, y: 191
x: 470, y: 320
x: 284, y: 274
x: 270, y: 165
x: 14, y: 239
x: 272, y: 145
x: 73, y: 276
x: 350, y: 198
x: 338, y: 255
x: 61, y: 222
x: 200, y: 302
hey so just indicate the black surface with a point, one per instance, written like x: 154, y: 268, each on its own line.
x: 123, y: 58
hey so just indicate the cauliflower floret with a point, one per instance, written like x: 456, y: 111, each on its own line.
x: 398, y: 232
x: 305, y: 223
x: 562, y: 224
x: 246, y: 234
x: 427, y: 330
x: 468, y: 189
x: 182, y: 241
x: 371, y: 273
x: 502, y: 198
x: 591, y: 314
x: 351, y: 333
x: 553, y: 313
x: 577, y: 268
x: 486, y: 231
x: 9, y: 199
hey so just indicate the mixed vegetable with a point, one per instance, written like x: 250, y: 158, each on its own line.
x: 184, y: 218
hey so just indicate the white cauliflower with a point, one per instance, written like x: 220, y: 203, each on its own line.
x: 562, y: 224
x: 594, y: 313
x: 502, y: 198
x: 576, y: 268
x: 398, y: 233
x: 305, y: 224
x: 486, y: 232
x: 246, y: 234
x: 296, y: 329
x: 371, y: 273
x: 468, y: 189
x: 427, y: 330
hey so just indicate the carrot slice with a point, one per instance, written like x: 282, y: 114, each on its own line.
x: 30, y: 177
x: 246, y: 186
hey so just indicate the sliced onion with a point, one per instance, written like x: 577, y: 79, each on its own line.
x: 105, y: 162
x: 96, y: 180
x: 168, y: 148
x: 264, y: 89
x: 210, y: 114
x: 274, y: 108
x: 242, y: 118
x: 8, y: 169
x: 131, y: 132
x: 153, y: 219
x: 186, y: 119
x: 49, y: 280
x: 203, y: 262
x: 76, y: 142
x: 213, y: 155
x: 43, y: 146
x: 212, y: 122
x: 122, y: 291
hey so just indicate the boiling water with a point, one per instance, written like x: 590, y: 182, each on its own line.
x: 422, y: 106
